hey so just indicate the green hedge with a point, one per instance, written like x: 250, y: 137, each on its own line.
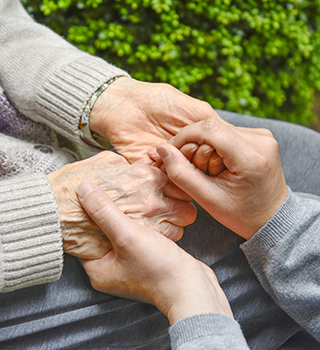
x: 254, y: 57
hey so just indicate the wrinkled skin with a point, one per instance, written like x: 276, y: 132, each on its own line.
x: 136, y: 116
x: 142, y: 192
x: 148, y: 267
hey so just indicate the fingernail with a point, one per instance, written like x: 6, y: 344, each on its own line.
x: 194, y: 149
x: 163, y: 152
x: 153, y: 153
x: 84, y: 188
x: 171, y: 140
x: 209, y: 150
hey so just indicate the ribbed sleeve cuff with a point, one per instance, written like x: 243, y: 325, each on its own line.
x: 63, y: 98
x: 272, y: 232
x: 30, y: 237
x: 206, y: 325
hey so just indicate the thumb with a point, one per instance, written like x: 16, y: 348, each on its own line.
x: 184, y: 174
x: 111, y: 220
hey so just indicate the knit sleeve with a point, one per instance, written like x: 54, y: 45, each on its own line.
x: 207, y: 331
x: 30, y: 238
x: 285, y: 256
x: 44, y: 76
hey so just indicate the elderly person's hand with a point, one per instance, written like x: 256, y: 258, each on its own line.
x: 250, y: 187
x: 142, y: 192
x: 147, y: 266
x: 136, y: 116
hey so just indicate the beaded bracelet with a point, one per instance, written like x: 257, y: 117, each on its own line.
x: 86, y: 134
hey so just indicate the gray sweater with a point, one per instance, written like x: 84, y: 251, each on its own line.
x: 285, y: 256
x: 49, y: 81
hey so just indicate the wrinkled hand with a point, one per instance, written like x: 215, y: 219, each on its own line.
x: 136, y: 116
x: 142, y: 192
x: 250, y: 189
x: 147, y: 266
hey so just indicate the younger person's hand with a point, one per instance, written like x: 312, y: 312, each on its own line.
x: 250, y: 186
x: 204, y: 157
x: 146, y: 266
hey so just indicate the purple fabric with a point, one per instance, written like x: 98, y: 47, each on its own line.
x: 15, y: 124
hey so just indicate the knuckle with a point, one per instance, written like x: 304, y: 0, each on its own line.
x: 154, y: 204
x: 210, y: 125
x: 96, y: 284
x: 148, y: 173
x: 192, y: 214
x: 266, y: 132
x: 164, y: 88
x: 173, y: 232
x: 185, y: 212
x: 208, y: 111
x: 206, y: 106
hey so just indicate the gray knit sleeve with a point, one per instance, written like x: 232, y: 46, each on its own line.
x: 208, y: 332
x: 30, y: 238
x: 285, y: 256
x: 44, y: 76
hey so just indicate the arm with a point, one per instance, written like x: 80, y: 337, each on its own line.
x: 209, y: 331
x: 40, y: 217
x: 250, y: 197
x: 51, y: 81
x: 30, y: 235
x: 144, y: 193
x: 284, y: 254
x: 148, y: 267
x: 44, y: 76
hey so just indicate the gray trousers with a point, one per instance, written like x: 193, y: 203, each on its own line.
x: 69, y: 314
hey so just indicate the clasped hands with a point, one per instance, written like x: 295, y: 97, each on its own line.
x: 135, y: 117
x: 234, y: 173
x: 244, y: 195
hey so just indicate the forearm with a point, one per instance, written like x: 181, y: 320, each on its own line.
x: 46, y: 78
x: 207, y: 331
x: 30, y: 237
x: 285, y: 256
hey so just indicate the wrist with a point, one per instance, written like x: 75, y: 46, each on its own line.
x: 262, y: 218
x: 104, y: 104
x: 198, y: 293
x: 88, y: 133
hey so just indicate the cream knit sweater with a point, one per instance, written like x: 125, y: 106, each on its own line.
x: 49, y: 81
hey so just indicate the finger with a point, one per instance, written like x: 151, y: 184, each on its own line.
x: 215, y: 164
x: 180, y: 213
x: 260, y: 131
x: 163, y: 168
x: 157, y: 164
x: 171, y: 231
x: 202, y: 156
x: 155, y: 158
x: 170, y: 190
x: 185, y: 175
x: 112, y: 221
x: 93, y: 244
x: 189, y: 150
x: 223, y: 138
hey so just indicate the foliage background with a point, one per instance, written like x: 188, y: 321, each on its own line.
x: 253, y: 57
